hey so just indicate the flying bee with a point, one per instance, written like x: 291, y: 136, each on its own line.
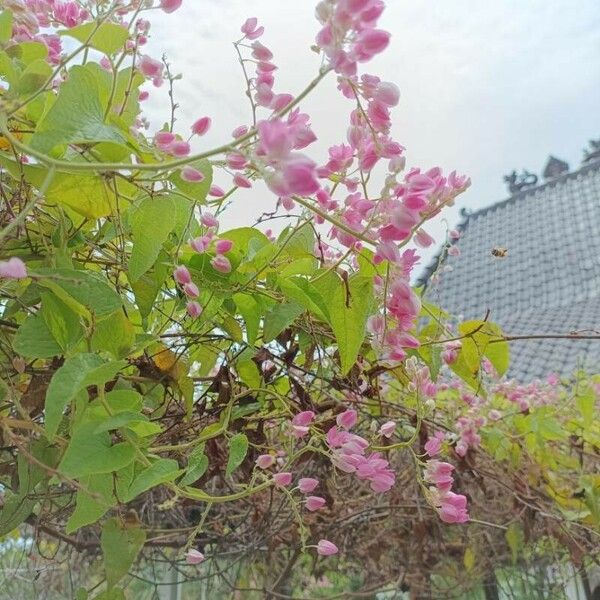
x: 500, y: 252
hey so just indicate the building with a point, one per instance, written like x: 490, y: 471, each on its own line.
x: 533, y: 261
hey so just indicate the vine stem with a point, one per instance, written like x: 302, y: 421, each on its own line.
x: 156, y: 167
x: 20, y: 218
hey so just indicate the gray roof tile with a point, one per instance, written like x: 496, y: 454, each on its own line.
x: 548, y: 284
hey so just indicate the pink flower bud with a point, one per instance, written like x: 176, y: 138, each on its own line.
x: 347, y: 419
x: 193, y: 309
x: 264, y: 461
x: 13, y: 268
x: 303, y: 418
x: 209, y: 220
x: 182, y: 275
x: 170, y: 6
x: 307, y: 484
x: 282, y: 479
x: 149, y: 67
x: 241, y: 181
x: 216, y: 191
x: 314, y: 503
x: 326, y: 548
x: 193, y: 557
x: 201, y: 244
x: 223, y: 246
x: 143, y: 95
x: 387, y: 429
x: 164, y: 139
x: 179, y: 148
x: 221, y: 263
x: 238, y: 132
x: 191, y: 175
x: 201, y: 126
x: 191, y: 290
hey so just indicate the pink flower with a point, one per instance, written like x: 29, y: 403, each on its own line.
x: 251, y: 30
x: 191, y: 175
x: 388, y: 93
x: 314, y: 503
x: 221, y: 263
x: 307, y: 484
x: 201, y: 126
x: 282, y: 479
x: 193, y: 309
x: 179, y: 148
x: 209, y: 220
x: 191, y: 290
x: 387, y: 429
x: 453, y: 251
x: 216, y: 191
x: 241, y: 181
x: 264, y: 461
x: 193, y: 557
x: 370, y: 42
x: 163, y: 140
x: 453, y: 508
x: 434, y: 444
x: 303, y: 418
x: 326, y: 548
x: 238, y: 132
x: 13, y: 268
x: 170, y: 6
x: 201, y: 244
x: 347, y: 419
x: 223, y: 246
x: 439, y: 474
x: 150, y: 68
x: 182, y: 275
x: 260, y: 52
x: 143, y: 95
x: 299, y: 176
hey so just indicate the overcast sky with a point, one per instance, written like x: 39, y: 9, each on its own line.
x: 486, y: 86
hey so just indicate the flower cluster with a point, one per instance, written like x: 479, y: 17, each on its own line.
x: 451, y: 507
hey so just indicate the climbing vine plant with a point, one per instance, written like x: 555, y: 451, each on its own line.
x: 168, y: 382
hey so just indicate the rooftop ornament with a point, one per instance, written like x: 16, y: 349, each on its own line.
x: 555, y: 168
x: 593, y: 152
x: 517, y: 183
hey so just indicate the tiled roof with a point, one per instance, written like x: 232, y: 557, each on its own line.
x: 549, y: 281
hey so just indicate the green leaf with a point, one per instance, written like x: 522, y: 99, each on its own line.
x: 300, y: 290
x: 121, y: 419
x: 120, y: 547
x: 469, y: 559
x: 161, y: 471
x: 90, y: 453
x: 487, y: 336
x: 108, y: 38
x: 151, y: 224
x: 76, y: 116
x: 349, y: 308
x: 515, y: 538
x: 249, y: 308
x: 238, y: 448
x: 33, y: 77
x: 34, y: 340
x: 280, y: 317
x: 197, y: 466
x: 76, y: 373
x: 90, y: 290
x: 197, y: 191
x: 248, y: 370
x: 586, y: 400
x: 114, y: 334
x: 6, y: 25
x: 147, y: 287
x: 88, y: 509
x: 63, y: 323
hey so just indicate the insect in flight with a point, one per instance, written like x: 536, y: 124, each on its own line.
x: 499, y: 252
